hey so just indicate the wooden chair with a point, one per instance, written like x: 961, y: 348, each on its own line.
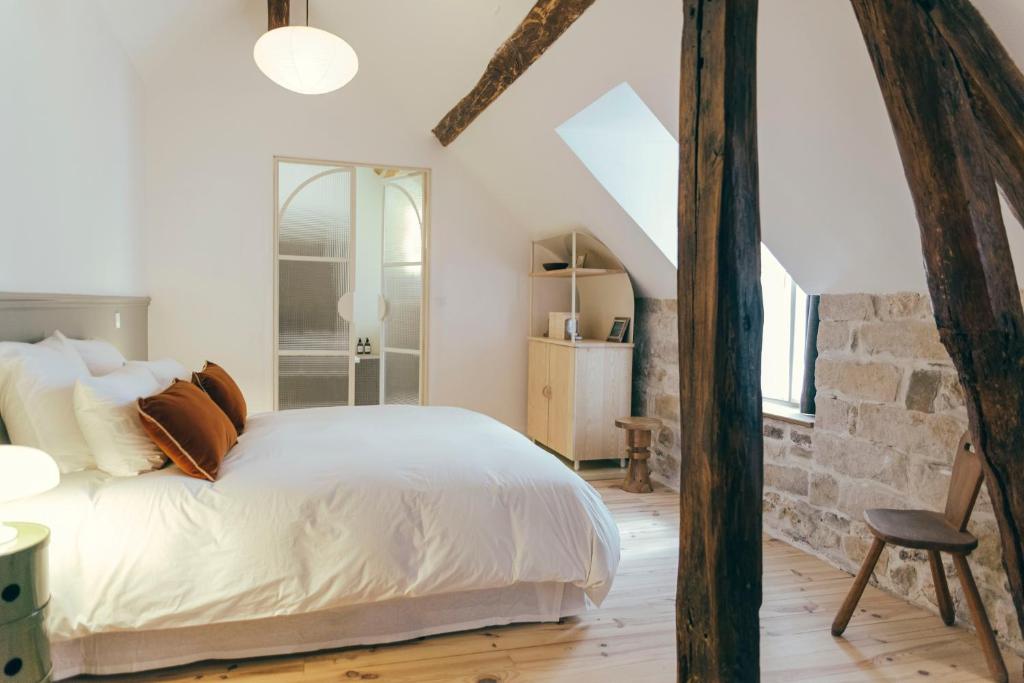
x: 937, y: 533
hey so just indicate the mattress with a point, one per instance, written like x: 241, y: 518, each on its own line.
x: 319, y: 510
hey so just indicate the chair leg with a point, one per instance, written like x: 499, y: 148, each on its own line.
x: 941, y: 588
x: 996, y: 666
x: 857, y: 589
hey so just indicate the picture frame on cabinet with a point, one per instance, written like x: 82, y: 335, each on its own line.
x: 620, y: 326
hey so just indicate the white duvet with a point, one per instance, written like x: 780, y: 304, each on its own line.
x: 318, y: 509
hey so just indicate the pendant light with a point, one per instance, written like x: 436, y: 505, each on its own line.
x: 303, y: 59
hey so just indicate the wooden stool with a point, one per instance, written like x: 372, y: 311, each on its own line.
x: 936, y: 532
x: 638, y: 447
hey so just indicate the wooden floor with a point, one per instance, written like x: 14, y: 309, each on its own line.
x: 631, y: 638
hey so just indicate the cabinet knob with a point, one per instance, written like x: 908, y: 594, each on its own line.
x: 546, y: 391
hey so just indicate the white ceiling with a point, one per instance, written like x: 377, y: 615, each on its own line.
x: 835, y: 208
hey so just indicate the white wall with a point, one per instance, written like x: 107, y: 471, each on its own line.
x: 71, y: 149
x: 213, y: 125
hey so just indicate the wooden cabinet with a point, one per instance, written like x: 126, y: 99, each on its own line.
x: 576, y: 390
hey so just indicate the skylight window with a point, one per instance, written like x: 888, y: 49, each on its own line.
x: 625, y: 147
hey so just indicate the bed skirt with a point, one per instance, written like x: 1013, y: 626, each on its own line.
x: 370, y: 624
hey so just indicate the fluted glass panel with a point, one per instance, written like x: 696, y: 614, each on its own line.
x: 403, y: 227
x: 308, y: 296
x: 312, y: 381
x: 403, y: 289
x: 401, y: 378
x: 317, y: 219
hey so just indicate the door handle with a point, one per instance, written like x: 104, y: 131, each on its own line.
x: 345, y: 306
x: 382, y: 307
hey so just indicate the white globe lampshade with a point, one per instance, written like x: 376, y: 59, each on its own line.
x: 305, y: 60
x: 24, y: 472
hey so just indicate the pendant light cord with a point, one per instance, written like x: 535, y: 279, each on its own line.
x: 307, y: 13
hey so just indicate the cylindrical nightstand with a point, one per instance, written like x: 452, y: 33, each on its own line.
x: 24, y: 593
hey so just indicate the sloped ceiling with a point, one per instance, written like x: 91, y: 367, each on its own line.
x: 835, y: 207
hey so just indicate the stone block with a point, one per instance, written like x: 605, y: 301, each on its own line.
x: 846, y: 307
x: 950, y: 394
x: 917, y: 339
x: 791, y: 479
x: 800, y: 436
x: 862, y: 460
x: 857, y: 496
x: 834, y: 415
x: 801, y: 452
x: 866, y: 381
x: 903, y: 305
x: 666, y: 406
x: 929, y: 484
x: 824, y: 489
x: 922, y: 390
x: 904, y: 578
x: 934, y: 437
x: 833, y: 335
x: 774, y: 449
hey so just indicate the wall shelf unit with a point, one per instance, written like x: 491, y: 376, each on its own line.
x: 577, y: 387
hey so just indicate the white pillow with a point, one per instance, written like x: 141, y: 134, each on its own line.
x: 165, y: 370
x: 108, y: 415
x: 37, y: 382
x: 100, y: 356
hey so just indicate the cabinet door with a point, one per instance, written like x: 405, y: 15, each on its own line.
x: 603, y: 388
x: 536, y: 394
x: 561, y: 370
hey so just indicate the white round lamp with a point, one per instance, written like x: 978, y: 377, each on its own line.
x: 303, y: 59
x: 24, y: 472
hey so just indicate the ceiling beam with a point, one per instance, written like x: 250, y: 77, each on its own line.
x: 278, y: 13
x: 546, y: 21
x: 995, y: 86
x: 967, y: 256
x: 718, y: 590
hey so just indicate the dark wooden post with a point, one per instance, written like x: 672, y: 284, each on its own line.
x: 720, y: 320
x: 995, y: 86
x: 278, y: 13
x: 967, y: 257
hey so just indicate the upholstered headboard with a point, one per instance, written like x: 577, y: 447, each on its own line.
x: 121, y: 320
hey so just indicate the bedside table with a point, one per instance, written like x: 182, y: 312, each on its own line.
x: 24, y: 593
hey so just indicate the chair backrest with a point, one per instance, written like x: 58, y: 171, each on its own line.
x: 965, y: 483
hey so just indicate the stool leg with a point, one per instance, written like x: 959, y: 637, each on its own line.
x: 941, y: 588
x: 638, y: 476
x: 996, y: 666
x: 857, y: 589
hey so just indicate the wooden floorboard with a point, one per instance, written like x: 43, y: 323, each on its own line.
x: 631, y: 638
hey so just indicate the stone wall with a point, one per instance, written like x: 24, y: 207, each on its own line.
x: 889, y: 416
x: 656, y: 380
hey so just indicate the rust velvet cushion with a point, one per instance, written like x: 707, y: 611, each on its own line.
x: 189, y: 428
x: 219, y: 386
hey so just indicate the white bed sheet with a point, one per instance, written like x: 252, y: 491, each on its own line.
x: 316, y: 510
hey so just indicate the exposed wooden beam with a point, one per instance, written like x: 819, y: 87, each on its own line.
x: 278, y: 13
x: 995, y: 85
x: 546, y: 21
x: 720, y: 320
x: 967, y: 257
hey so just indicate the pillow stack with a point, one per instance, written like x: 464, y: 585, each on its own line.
x: 37, y: 383
x: 80, y: 401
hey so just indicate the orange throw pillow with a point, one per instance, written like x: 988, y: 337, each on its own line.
x: 189, y: 428
x: 219, y: 386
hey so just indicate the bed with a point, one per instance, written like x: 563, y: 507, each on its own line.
x: 327, y: 527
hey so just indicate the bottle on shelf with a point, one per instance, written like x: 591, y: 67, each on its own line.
x: 367, y: 347
x: 360, y: 349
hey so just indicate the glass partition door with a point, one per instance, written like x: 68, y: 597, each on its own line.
x: 314, y: 243
x: 401, y: 308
